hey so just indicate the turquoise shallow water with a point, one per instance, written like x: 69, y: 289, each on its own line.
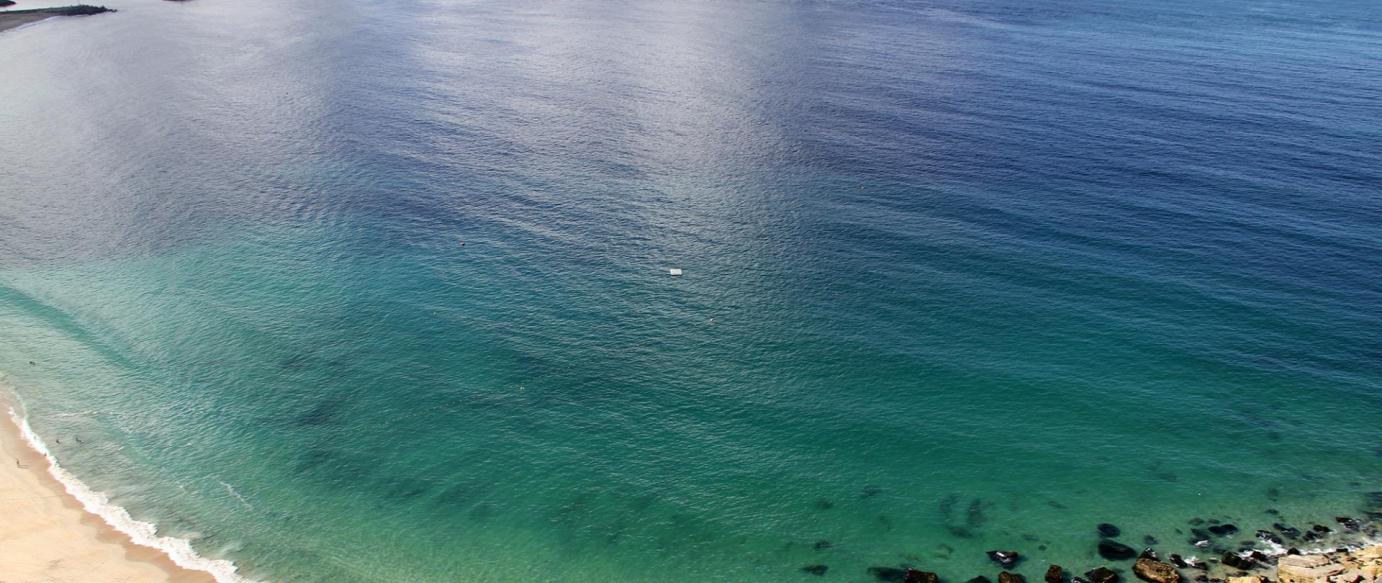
x: 378, y: 292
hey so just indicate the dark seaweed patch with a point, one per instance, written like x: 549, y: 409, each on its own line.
x: 973, y: 519
x: 322, y: 413
x: 295, y: 362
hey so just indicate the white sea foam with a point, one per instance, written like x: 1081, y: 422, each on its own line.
x: 231, y: 490
x: 141, y: 532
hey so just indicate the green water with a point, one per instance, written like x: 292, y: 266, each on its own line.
x: 364, y: 293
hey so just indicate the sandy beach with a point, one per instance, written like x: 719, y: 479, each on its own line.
x: 46, y: 536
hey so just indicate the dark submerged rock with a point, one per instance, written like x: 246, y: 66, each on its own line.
x: 1109, y: 530
x: 1150, y: 540
x: 980, y: 579
x: 1288, y: 531
x: 1006, y: 577
x: 1349, y: 523
x: 888, y: 574
x: 1268, y: 536
x: 943, y: 551
x: 1115, y: 551
x: 815, y: 569
x: 974, y: 516
x: 1374, y: 499
x: 915, y: 576
x: 1006, y: 559
x: 1223, y: 529
x: 821, y: 545
x: 1197, y: 541
x: 1102, y: 575
x: 1322, y: 529
x: 1054, y: 574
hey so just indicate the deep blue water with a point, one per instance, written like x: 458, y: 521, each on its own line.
x: 378, y: 291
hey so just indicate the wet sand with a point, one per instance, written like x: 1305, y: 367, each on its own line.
x: 13, y: 18
x: 8, y: 21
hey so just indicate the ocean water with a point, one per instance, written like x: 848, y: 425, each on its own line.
x: 378, y: 291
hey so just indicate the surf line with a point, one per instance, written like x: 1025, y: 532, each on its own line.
x: 140, y: 532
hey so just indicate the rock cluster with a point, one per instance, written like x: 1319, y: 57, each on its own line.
x: 1359, y: 566
x: 1148, y: 568
x: 1342, y: 566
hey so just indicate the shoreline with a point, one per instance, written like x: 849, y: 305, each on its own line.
x: 49, y: 535
x: 13, y: 19
x: 61, y: 536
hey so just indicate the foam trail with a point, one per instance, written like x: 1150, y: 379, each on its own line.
x: 231, y: 490
x: 141, y: 532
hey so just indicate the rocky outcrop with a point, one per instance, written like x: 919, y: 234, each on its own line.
x: 1359, y: 566
x: 1102, y: 575
x: 1237, y: 561
x: 1005, y: 559
x: 1006, y: 577
x: 1147, y: 568
x: 1054, y: 574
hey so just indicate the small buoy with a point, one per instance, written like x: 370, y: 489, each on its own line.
x: 674, y: 271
